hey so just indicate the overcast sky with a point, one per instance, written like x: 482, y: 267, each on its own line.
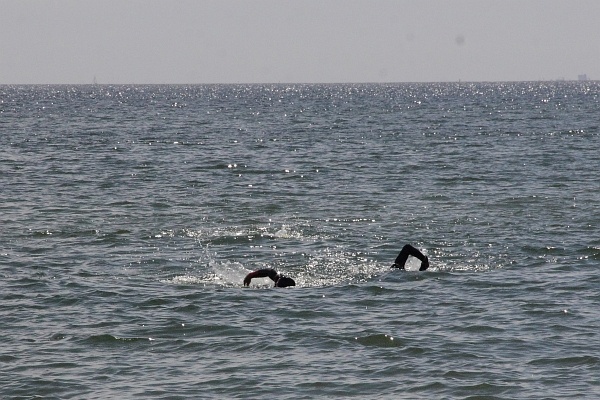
x: 264, y: 41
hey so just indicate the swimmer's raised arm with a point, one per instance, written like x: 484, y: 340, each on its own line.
x: 409, y: 250
x: 280, y: 280
x: 261, y: 273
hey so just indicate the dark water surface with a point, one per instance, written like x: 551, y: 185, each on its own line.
x: 130, y: 215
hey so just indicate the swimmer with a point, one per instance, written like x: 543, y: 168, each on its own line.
x: 280, y: 280
x: 284, y: 281
x: 409, y: 250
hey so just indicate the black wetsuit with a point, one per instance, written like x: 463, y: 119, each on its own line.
x: 409, y: 250
x: 280, y: 280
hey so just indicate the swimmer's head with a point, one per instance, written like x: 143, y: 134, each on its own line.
x: 285, y: 282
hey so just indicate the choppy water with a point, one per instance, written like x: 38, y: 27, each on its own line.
x: 130, y: 215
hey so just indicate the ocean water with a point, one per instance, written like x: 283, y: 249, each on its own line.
x: 131, y: 214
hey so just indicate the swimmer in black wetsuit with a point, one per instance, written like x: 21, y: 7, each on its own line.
x: 409, y: 250
x: 280, y: 280
x: 284, y: 281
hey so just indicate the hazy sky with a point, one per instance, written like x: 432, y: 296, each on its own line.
x: 247, y: 41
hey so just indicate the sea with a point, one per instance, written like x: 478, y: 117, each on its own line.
x: 130, y: 215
